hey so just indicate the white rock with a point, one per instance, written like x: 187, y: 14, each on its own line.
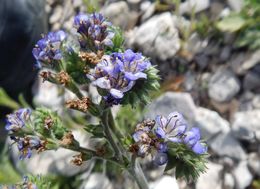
x: 242, y: 175
x: 226, y: 145
x: 246, y: 125
x: 197, y: 5
x: 211, y: 178
x: 157, y: 37
x: 117, y: 13
x: 254, y: 163
x: 223, y: 85
x: 229, y: 181
x: 236, y: 5
x: 97, y: 181
x: 170, y: 102
x: 210, y: 123
x: 195, y: 45
x: 166, y: 182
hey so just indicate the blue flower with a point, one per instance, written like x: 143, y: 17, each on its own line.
x: 16, y: 120
x: 26, y: 145
x: 192, y: 139
x: 118, y: 73
x: 48, y: 49
x: 93, y: 30
x: 170, y: 128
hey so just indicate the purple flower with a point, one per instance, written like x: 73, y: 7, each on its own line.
x: 26, y: 145
x: 93, y: 30
x: 16, y: 120
x: 171, y: 128
x: 48, y: 49
x: 118, y: 73
x: 192, y: 139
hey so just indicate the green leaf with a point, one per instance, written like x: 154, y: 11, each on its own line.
x: 6, y: 101
x: 231, y: 24
x: 95, y: 130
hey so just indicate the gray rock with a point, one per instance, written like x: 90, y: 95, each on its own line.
x: 118, y: 13
x: 254, y: 163
x: 210, y: 123
x: 251, y: 81
x: 243, y: 62
x: 229, y: 181
x: 211, y: 178
x: 197, y: 5
x: 242, y: 175
x: 246, y: 125
x: 226, y: 145
x: 165, y: 182
x: 256, y: 102
x: 190, y: 81
x: 170, y: 102
x: 223, y: 85
x: 195, y: 45
x: 57, y: 14
x: 163, y: 42
x: 236, y: 5
x: 97, y: 181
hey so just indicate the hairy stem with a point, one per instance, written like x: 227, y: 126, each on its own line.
x: 105, y: 124
x: 136, y: 171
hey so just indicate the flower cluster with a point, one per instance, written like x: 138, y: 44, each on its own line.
x: 16, y: 122
x: 48, y: 49
x: 94, y: 31
x: 154, y: 136
x: 118, y: 73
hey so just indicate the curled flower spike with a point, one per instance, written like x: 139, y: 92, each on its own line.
x: 48, y: 49
x: 16, y: 120
x: 118, y: 73
x: 93, y: 30
x: 27, y: 144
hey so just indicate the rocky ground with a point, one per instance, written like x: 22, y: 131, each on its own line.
x: 213, y: 83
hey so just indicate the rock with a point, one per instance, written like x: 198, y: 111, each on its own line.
x: 229, y: 181
x: 251, y: 81
x: 166, y: 182
x: 226, y: 145
x: 243, y: 62
x: 97, y: 181
x: 195, y: 45
x: 236, y: 5
x: 256, y: 102
x: 51, y: 161
x: 170, y: 102
x: 225, y: 53
x: 242, y: 175
x: 162, y: 43
x: 246, y: 101
x: 223, y: 85
x: 211, y: 178
x: 118, y: 13
x: 189, y: 81
x: 57, y: 14
x: 148, y: 9
x: 246, y: 125
x: 210, y: 123
x: 254, y: 163
x: 197, y: 5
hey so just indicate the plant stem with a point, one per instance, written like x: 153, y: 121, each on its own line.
x: 136, y: 171
x: 104, y: 119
